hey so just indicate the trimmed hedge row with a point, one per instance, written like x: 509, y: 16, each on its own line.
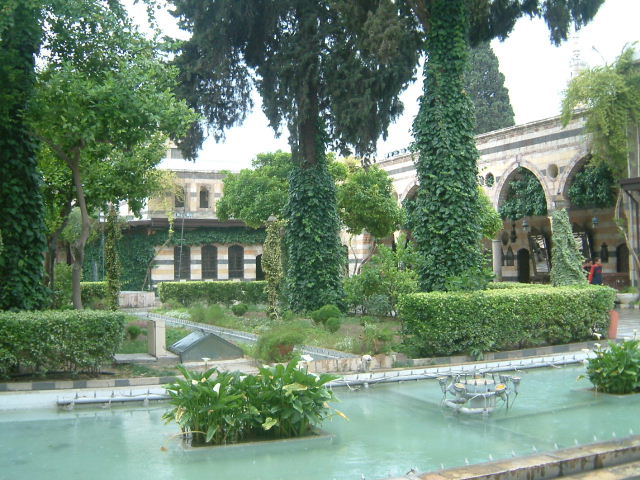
x: 92, y: 291
x: 515, y: 285
x: 68, y: 340
x: 449, y: 323
x: 225, y: 292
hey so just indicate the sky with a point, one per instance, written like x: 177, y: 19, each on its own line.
x: 536, y: 74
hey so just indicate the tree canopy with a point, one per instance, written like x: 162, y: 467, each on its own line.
x: 104, y: 107
x: 485, y: 85
x: 611, y: 96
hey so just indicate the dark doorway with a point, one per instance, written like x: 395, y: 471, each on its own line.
x: 181, y: 263
x: 622, y: 258
x: 259, y: 271
x: 236, y: 261
x: 209, y: 262
x: 523, y: 266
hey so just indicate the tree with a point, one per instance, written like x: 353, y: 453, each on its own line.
x: 611, y: 96
x: 446, y: 210
x: 330, y: 70
x: 111, y: 258
x: 104, y: 107
x: 21, y: 221
x: 485, y: 85
x: 567, y: 259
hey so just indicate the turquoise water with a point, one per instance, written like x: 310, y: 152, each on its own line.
x: 392, y: 428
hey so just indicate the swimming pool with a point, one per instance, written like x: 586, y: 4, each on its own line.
x: 392, y: 428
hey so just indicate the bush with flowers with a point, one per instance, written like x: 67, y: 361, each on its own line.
x: 229, y: 407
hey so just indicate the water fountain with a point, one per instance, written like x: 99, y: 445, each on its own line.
x: 473, y: 394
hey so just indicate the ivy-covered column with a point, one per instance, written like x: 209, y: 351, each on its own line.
x: 314, y: 252
x: 21, y: 208
x: 446, y: 216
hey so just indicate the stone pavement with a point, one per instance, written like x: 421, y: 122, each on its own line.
x: 629, y: 323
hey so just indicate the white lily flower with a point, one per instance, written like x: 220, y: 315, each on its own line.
x: 194, y: 382
x: 216, y: 388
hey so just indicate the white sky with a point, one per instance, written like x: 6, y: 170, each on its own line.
x: 536, y: 73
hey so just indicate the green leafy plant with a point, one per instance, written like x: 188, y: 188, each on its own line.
x: 616, y: 369
x: 133, y: 331
x: 375, y: 338
x: 566, y: 268
x: 324, y: 313
x: 221, y: 407
x: 239, y: 309
x: 277, y: 344
x: 333, y: 324
x: 211, y: 314
x: 473, y: 279
x: 225, y: 292
x: 525, y: 197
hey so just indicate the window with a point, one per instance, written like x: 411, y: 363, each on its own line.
x: 209, y: 262
x: 181, y: 263
x: 236, y: 261
x: 259, y: 271
x: 179, y: 200
x: 204, y: 197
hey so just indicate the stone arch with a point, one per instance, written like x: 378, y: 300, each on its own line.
x: 575, y: 165
x: 410, y: 191
x: 501, y: 187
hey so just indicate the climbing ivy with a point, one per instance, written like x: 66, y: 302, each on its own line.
x: 593, y: 187
x: 137, y: 249
x: 272, y: 264
x: 314, y: 253
x: 22, y: 218
x: 112, y: 259
x: 446, y: 215
x: 525, y: 197
x: 566, y: 268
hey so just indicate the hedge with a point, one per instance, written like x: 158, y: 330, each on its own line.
x: 226, y: 292
x: 449, y: 323
x: 92, y: 291
x: 68, y: 340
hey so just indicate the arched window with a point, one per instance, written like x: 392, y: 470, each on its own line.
x: 181, y: 262
x: 259, y: 271
x: 209, y: 262
x: 204, y: 197
x: 236, y: 261
x: 179, y: 199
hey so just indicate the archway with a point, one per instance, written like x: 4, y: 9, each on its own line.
x: 524, y: 274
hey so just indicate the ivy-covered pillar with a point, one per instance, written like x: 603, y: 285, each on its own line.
x: 446, y: 218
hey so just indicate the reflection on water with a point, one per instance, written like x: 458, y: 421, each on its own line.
x: 392, y: 428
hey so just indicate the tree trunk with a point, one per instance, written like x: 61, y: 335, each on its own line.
x: 77, y: 247
x: 446, y: 218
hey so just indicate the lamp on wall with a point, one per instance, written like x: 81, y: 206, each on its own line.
x: 514, y: 237
x: 595, y: 221
x: 525, y: 225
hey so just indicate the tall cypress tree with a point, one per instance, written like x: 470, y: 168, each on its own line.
x: 446, y: 214
x: 485, y: 85
x: 22, y: 218
x: 331, y: 70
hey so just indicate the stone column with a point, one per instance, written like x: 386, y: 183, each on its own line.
x: 496, y: 247
x: 223, y: 262
x: 156, y: 338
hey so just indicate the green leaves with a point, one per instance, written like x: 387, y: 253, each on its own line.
x: 566, y: 268
x: 278, y: 402
x: 616, y: 369
x: 525, y: 196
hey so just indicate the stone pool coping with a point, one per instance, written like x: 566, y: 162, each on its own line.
x: 597, y: 457
x: 334, y: 366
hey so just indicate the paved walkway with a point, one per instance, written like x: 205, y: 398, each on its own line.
x: 629, y: 324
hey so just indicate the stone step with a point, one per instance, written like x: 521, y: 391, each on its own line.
x: 624, y: 471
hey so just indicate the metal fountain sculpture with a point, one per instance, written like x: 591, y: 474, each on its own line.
x: 478, y: 394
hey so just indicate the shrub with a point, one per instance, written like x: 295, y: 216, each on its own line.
x: 211, y: 314
x: 239, y: 309
x: 133, y: 331
x: 221, y: 407
x: 225, y: 292
x: 277, y: 344
x: 616, y: 370
x: 62, y: 288
x: 448, y: 323
x: 333, y: 324
x: 375, y: 339
x: 69, y: 340
x: 324, y: 313
x: 93, y: 293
